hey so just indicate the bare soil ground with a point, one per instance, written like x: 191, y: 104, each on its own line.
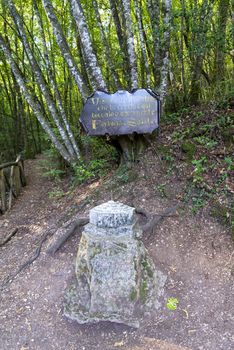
x: 194, y: 251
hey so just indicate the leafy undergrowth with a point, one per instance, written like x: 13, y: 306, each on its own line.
x: 202, y: 140
x: 191, y: 161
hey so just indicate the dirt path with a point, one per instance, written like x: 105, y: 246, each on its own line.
x: 194, y: 251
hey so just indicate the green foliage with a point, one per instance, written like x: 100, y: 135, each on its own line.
x: 54, y: 174
x: 201, y: 66
x: 206, y: 141
x: 133, y: 294
x: 230, y: 163
x: 172, y: 304
x: 203, y: 138
x: 221, y: 93
x: 56, y: 194
x: 99, y: 167
x: 95, y: 168
x: 199, y: 169
x: 52, y: 164
x: 122, y: 174
x: 82, y: 173
x: 125, y: 174
x: 161, y: 188
x: 97, y: 148
x: 146, y: 266
x: 143, y: 290
x: 189, y: 148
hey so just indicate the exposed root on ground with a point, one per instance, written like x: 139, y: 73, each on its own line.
x: 8, y: 237
x: 60, y: 235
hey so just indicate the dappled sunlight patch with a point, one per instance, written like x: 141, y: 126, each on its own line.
x: 87, y: 190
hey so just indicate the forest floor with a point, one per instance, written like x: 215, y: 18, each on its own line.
x: 192, y: 248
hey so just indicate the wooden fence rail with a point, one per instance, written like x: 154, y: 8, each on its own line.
x: 12, y: 179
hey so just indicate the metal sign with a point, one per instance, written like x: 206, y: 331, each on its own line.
x: 121, y: 113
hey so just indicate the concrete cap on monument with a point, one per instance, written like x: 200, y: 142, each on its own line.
x: 112, y: 214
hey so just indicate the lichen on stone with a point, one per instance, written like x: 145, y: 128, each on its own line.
x: 116, y: 279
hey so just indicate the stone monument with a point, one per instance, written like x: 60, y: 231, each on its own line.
x: 116, y: 279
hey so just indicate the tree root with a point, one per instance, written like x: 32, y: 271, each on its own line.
x: 64, y: 232
x: 156, y: 218
x: 29, y: 261
x: 60, y: 236
x: 67, y: 229
x: 8, y: 237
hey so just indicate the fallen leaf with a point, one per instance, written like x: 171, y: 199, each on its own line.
x: 186, y: 313
x: 118, y: 344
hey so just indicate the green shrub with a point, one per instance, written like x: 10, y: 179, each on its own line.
x: 82, y: 173
x: 199, y: 169
x: 52, y: 164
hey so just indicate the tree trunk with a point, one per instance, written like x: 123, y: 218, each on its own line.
x: 223, y: 11
x: 142, y: 44
x: 87, y: 44
x: 54, y: 85
x: 165, y: 49
x: 40, y: 79
x: 65, y: 50
x: 129, y: 147
x: 32, y: 101
x: 107, y: 52
x: 130, y: 44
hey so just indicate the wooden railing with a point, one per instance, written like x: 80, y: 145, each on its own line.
x: 12, y: 179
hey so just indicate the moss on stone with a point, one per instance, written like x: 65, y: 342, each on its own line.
x: 147, y: 268
x: 133, y: 294
x: 122, y: 245
x: 95, y: 251
x: 143, y: 291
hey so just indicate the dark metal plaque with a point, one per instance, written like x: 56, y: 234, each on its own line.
x: 121, y: 113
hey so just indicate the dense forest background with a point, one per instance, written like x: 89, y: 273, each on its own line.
x: 53, y: 54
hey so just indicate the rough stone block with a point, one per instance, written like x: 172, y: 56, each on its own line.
x: 116, y: 280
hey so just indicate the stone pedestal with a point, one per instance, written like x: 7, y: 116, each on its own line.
x: 115, y: 278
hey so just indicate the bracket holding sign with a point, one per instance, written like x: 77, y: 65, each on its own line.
x: 121, y: 113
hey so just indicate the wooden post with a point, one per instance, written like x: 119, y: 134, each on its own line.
x: 3, y: 190
x: 22, y: 174
x: 17, y: 180
x: 14, y: 182
x: 11, y: 187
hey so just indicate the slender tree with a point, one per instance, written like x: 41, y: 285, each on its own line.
x: 32, y: 100
x: 56, y: 54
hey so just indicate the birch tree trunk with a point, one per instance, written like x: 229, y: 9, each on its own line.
x: 119, y: 30
x: 66, y: 52
x: 91, y: 58
x: 204, y: 14
x: 39, y: 77
x: 54, y: 84
x: 130, y: 44
x: 165, y: 50
x: 142, y: 43
x: 223, y: 11
x: 155, y: 14
x: 32, y: 101
x: 107, y: 52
